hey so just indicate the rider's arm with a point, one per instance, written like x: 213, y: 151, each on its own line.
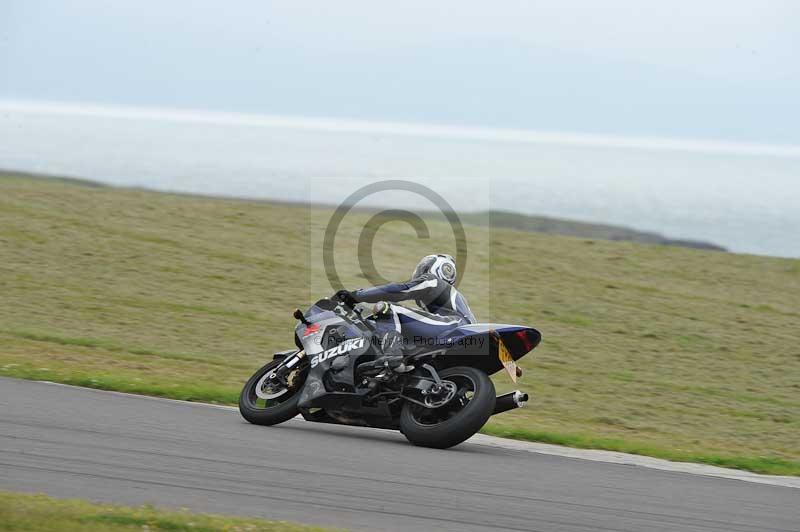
x: 423, y: 289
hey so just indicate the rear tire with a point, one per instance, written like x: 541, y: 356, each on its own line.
x: 271, y: 415
x: 463, y: 423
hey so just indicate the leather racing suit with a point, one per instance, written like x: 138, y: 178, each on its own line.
x: 438, y: 298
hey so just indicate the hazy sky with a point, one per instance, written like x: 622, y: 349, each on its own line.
x: 711, y: 69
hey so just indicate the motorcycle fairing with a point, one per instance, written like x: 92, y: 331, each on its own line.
x: 473, y: 345
x: 460, y: 344
x: 426, y: 332
x: 329, y: 339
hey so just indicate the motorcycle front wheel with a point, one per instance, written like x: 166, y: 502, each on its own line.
x: 265, y: 402
x: 458, y: 419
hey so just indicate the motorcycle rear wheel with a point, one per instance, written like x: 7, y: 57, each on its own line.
x: 272, y: 411
x: 457, y: 420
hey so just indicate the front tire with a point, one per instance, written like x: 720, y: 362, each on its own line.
x: 457, y: 420
x: 273, y: 411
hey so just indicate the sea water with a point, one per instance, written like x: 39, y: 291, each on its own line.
x: 743, y: 197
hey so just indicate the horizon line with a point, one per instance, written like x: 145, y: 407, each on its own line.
x: 349, y: 125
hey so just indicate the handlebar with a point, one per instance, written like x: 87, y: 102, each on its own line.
x: 355, y: 310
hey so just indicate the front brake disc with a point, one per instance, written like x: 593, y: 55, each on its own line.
x: 265, y: 390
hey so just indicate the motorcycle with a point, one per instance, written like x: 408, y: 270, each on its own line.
x: 432, y: 383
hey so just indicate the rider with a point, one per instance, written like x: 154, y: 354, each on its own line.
x: 431, y: 287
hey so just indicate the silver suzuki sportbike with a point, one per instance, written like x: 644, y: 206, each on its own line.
x: 434, y: 388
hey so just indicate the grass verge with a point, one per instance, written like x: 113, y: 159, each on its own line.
x: 39, y: 513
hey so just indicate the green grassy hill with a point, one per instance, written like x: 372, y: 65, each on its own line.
x: 671, y: 352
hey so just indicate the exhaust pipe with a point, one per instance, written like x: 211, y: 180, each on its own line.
x: 510, y: 401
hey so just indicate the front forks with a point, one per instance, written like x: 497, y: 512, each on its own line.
x: 287, y: 364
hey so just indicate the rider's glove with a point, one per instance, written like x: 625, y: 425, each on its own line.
x: 346, y: 297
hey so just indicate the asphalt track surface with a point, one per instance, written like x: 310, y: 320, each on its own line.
x: 73, y: 442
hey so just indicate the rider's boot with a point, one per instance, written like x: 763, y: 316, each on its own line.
x: 392, y: 354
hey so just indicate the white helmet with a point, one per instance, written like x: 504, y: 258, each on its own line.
x: 442, y: 266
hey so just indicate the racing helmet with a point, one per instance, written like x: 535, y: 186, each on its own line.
x: 442, y: 266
